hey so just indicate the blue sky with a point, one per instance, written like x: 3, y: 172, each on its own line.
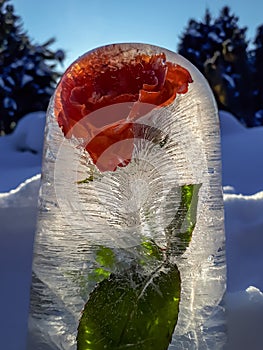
x: 81, y: 25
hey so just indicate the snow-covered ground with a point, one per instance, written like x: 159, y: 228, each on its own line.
x: 242, y: 158
x: 20, y: 165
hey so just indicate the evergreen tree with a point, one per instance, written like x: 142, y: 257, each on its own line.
x: 28, y: 73
x: 237, y: 67
x: 220, y: 48
x: 257, y: 59
x: 199, y: 42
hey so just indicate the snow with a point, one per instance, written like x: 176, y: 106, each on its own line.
x: 17, y: 226
x: 20, y: 165
x: 242, y: 168
x: 194, y: 32
x: 242, y: 158
x: 230, y: 80
x: 20, y: 152
x: 244, y: 223
x: 216, y: 38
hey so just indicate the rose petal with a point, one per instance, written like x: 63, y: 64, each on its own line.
x: 112, y: 147
x: 97, y: 81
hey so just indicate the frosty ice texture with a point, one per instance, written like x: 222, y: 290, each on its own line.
x: 83, y: 209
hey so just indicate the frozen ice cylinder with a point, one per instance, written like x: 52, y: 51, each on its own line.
x: 129, y: 248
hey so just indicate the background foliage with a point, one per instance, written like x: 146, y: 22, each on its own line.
x: 28, y: 72
x: 219, y: 49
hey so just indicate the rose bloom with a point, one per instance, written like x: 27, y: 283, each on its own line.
x: 104, y: 92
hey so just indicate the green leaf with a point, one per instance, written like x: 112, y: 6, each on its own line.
x: 86, y: 180
x: 132, y: 310
x: 94, y: 174
x: 152, y: 250
x: 190, y: 199
x: 105, y: 257
x: 179, y: 231
x: 105, y: 260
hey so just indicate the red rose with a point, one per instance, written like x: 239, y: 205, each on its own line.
x: 101, y: 95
